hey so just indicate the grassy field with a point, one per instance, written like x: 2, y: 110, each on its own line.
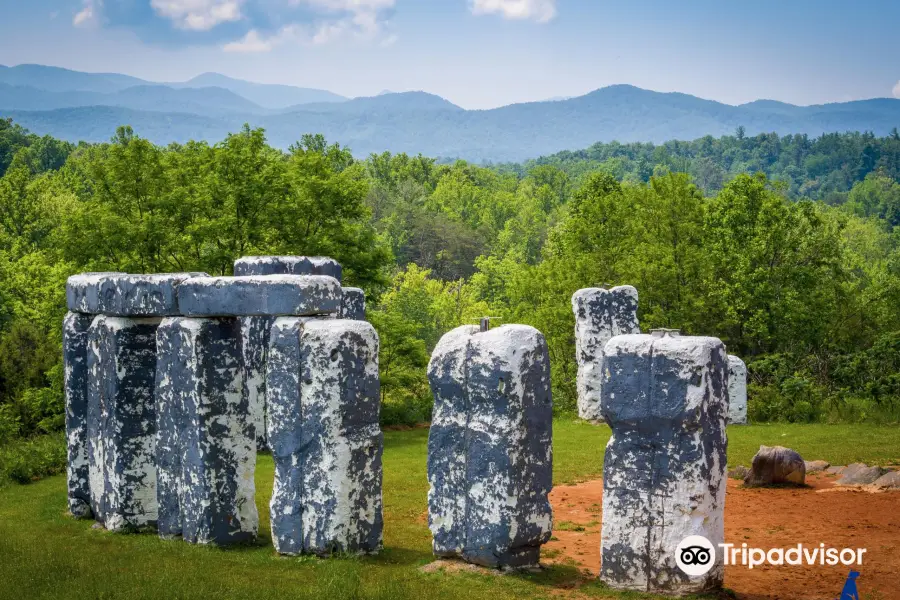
x: 45, y: 554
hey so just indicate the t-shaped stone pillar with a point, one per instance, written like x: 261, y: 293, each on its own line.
x: 489, y: 448
x: 324, y: 400
x: 255, y: 330
x: 600, y: 315
x: 737, y: 391
x: 665, y: 398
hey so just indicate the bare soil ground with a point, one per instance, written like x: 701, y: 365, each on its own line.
x: 766, y: 518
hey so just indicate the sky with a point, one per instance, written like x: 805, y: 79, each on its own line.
x: 479, y: 53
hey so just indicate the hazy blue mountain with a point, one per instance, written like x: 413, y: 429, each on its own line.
x: 55, y: 79
x: 385, y: 101
x: 203, y: 101
x: 417, y: 122
x: 264, y: 94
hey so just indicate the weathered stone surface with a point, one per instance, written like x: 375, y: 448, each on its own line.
x: 353, y: 304
x: 737, y: 391
x: 489, y: 448
x: 816, y: 466
x: 121, y: 425
x: 860, y: 474
x: 206, y: 445
x: 890, y: 480
x: 83, y: 291
x: 258, y: 296
x: 665, y: 398
x: 323, y: 395
x: 835, y: 470
x: 75, y: 350
x: 776, y: 465
x: 288, y: 265
x: 255, y: 333
x: 600, y: 315
x: 122, y: 295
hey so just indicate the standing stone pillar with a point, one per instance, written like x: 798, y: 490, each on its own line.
x: 737, y: 391
x: 81, y: 298
x: 600, y: 315
x: 489, y: 448
x: 353, y: 304
x: 206, y: 450
x: 255, y: 330
x: 121, y: 414
x: 665, y: 398
x: 324, y: 402
x: 213, y: 427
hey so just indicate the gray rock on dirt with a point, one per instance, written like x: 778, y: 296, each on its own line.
x: 860, y: 474
x: 776, y: 465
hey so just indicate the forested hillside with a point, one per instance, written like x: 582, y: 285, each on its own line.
x: 796, y: 268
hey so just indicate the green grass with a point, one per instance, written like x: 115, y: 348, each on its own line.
x: 46, y: 554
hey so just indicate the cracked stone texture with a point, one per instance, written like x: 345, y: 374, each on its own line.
x: 353, y: 304
x: 75, y: 351
x: 121, y: 425
x: 255, y: 330
x: 489, y: 448
x: 324, y: 401
x: 123, y: 295
x: 600, y: 315
x: 737, y: 391
x: 860, y: 474
x: 775, y: 465
x: 206, y: 449
x: 288, y: 265
x: 260, y: 296
x: 665, y: 398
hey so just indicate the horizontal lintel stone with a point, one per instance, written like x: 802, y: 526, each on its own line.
x: 260, y: 296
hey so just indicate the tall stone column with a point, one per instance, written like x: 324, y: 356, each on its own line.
x: 206, y: 450
x: 737, y: 391
x: 489, y: 448
x: 600, y: 315
x: 255, y: 330
x: 121, y: 368
x: 665, y: 398
x: 324, y: 402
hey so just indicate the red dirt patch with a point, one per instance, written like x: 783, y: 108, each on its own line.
x: 766, y: 518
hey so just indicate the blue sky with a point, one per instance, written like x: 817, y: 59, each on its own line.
x: 479, y: 53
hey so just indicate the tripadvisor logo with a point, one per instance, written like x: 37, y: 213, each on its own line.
x: 696, y: 555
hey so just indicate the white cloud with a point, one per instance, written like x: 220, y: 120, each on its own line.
x: 361, y: 19
x: 533, y: 10
x: 896, y: 90
x: 88, y: 15
x: 198, y: 15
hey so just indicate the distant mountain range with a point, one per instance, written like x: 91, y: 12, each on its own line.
x: 89, y: 106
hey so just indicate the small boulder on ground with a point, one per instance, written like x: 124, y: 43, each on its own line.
x: 835, y: 470
x: 890, y: 480
x: 816, y: 466
x: 776, y: 465
x: 739, y: 472
x: 860, y: 474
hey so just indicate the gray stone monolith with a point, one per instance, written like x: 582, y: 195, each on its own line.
x: 665, y: 398
x: 121, y: 426
x: 737, y: 391
x: 206, y: 447
x: 600, y: 315
x: 324, y: 400
x: 255, y: 330
x: 353, y: 304
x: 489, y: 448
x: 75, y: 351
